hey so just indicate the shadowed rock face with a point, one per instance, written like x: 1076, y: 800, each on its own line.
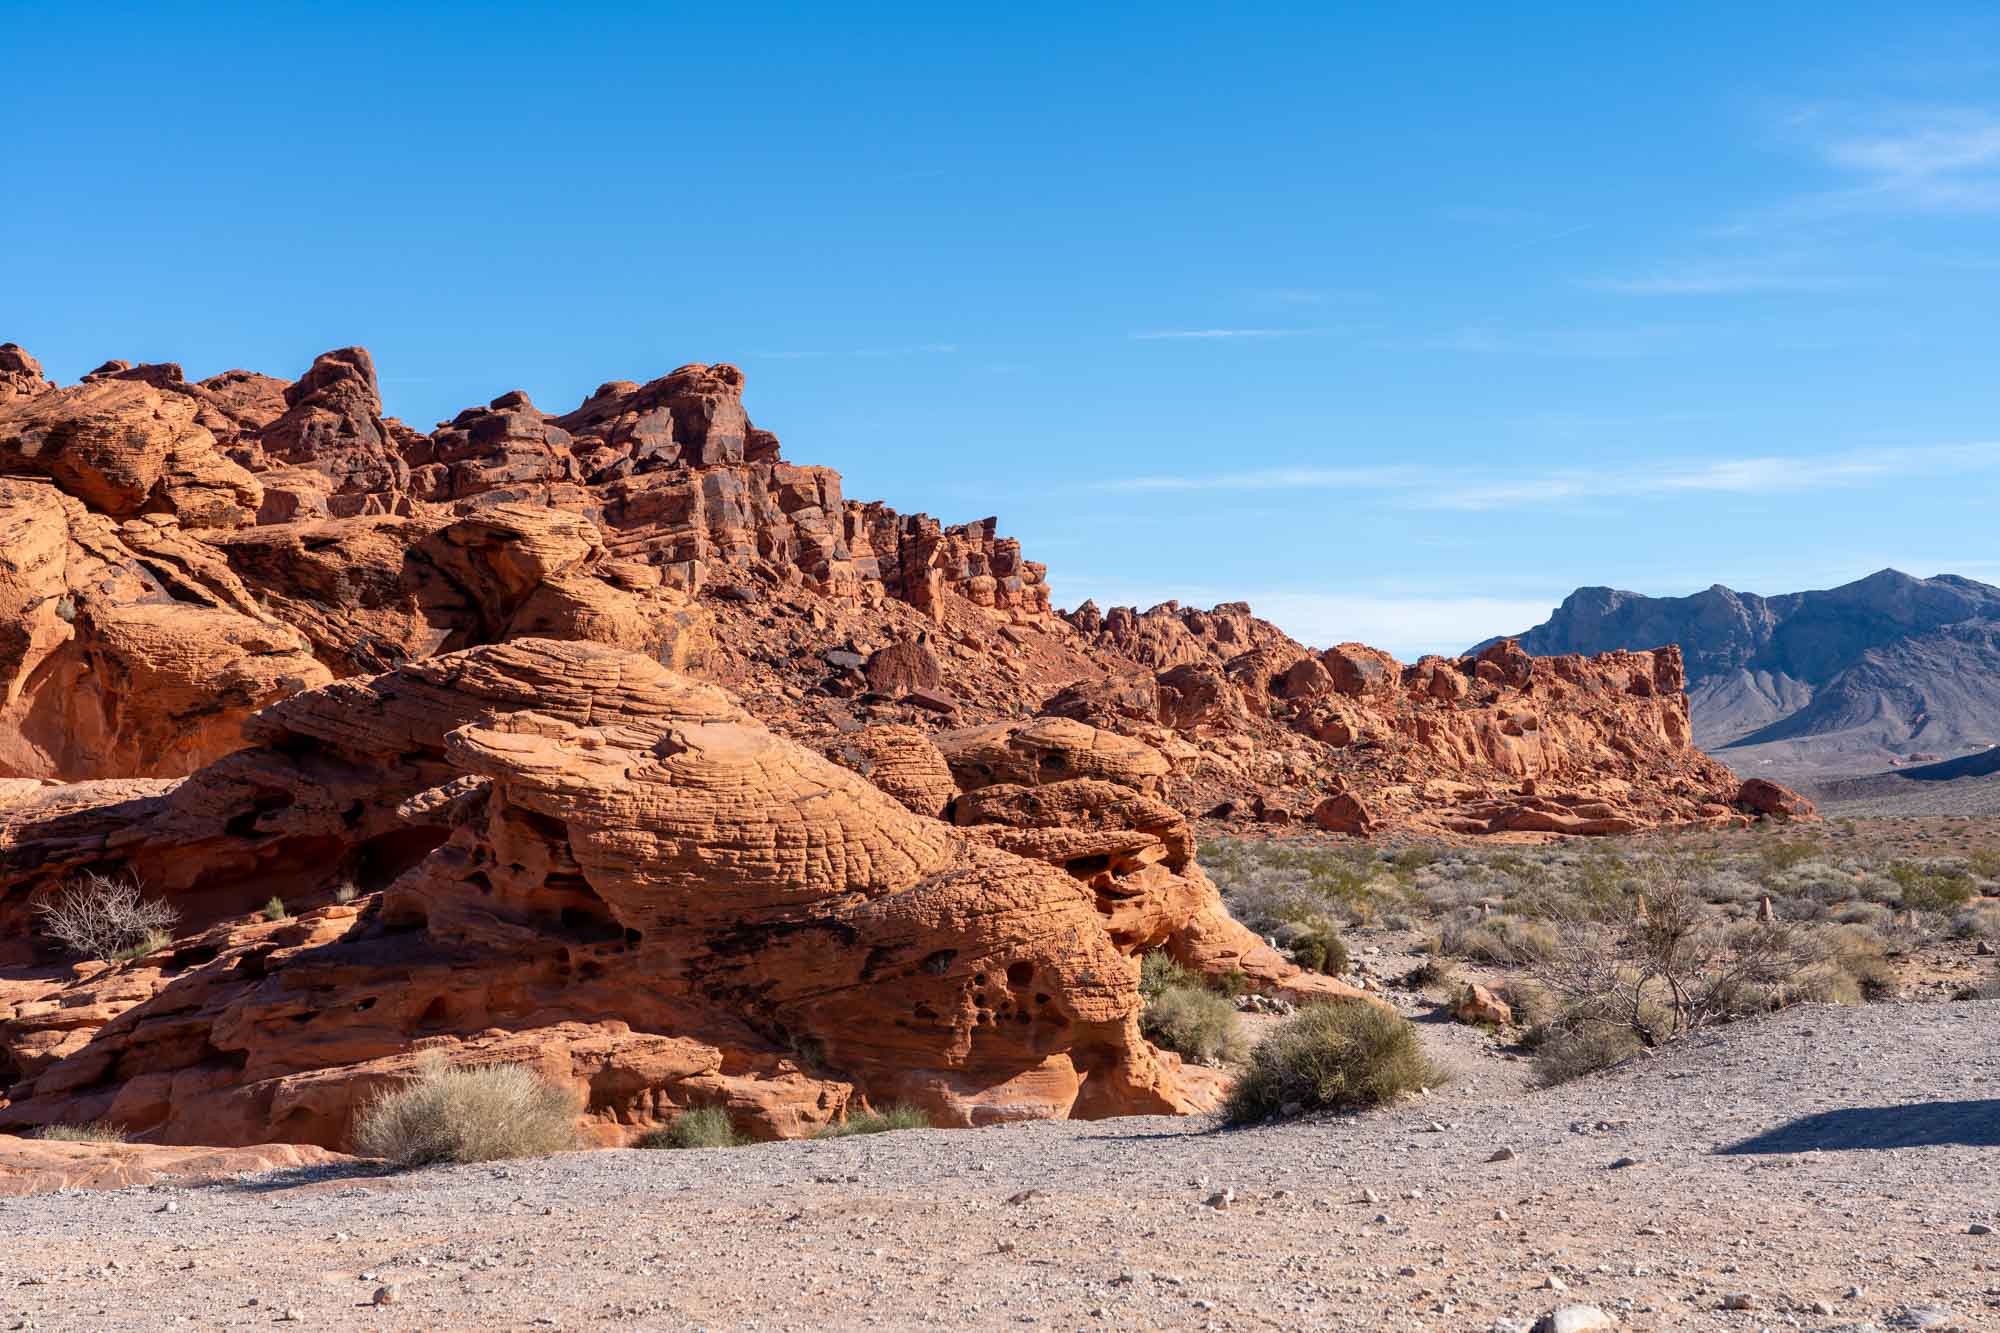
x: 613, y: 873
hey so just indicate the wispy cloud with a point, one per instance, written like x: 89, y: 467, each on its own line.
x: 1728, y: 278
x: 1483, y: 340
x: 1455, y: 489
x: 1908, y: 159
x: 1275, y: 479
x: 1159, y: 334
x: 913, y: 349
x: 1735, y: 476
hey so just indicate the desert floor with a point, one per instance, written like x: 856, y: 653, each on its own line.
x: 1835, y: 1166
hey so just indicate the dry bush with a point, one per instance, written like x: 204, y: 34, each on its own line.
x: 474, y: 1113
x: 1194, y: 1022
x: 699, y: 1127
x: 105, y: 916
x: 899, y: 1116
x: 1673, y: 972
x: 96, y: 1131
x: 1498, y: 939
x: 1342, y: 1057
x: 1981, y: 921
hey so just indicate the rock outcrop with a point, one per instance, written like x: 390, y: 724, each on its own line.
x: 600, y: 868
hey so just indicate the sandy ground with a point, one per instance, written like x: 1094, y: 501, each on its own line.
x: 1832, y: 1165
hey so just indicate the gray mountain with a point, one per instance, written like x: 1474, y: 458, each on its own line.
x: 1848, y: 680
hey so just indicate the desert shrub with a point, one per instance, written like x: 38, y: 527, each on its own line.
x: 1932, y: 887
x: 1673, y: 972
x: 1499, y: 939
x: 1320, y: 948
x: 95, y: 1131
x: 1434, y: 973
x: 1985, y: 863
x: 1980, y: 921
x: 275, y: 910
x: 698, y: 1127
x: 899, y: 1116
x: 152, y: 942
x: 1873, y: 915
x: 1565, y: 1052
x: 1159, y: 971
x: 1195, y: 1022
x: 346, y: 892
x: 474, y: 1113
x: 1779, y: 855
x: 105, y: 916
x: 1534, y: 1005
x: 1343, y: 1056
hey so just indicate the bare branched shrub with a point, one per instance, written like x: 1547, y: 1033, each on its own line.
x: 476, y: 1113
x: 105, y: 916
x: 1673, y: 971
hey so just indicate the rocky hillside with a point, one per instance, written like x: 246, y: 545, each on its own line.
x: 1856, y: 678
x: 613, y: 744
x: 182, y: 554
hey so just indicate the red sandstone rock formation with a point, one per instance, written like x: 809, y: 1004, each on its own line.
x: 600, y: 868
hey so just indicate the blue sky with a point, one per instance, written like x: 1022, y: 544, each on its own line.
x: 1398, y: 324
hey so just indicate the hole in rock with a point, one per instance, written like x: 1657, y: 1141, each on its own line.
x: 938, y: 963
x: 434, y: 1013
x: 1020, y: 974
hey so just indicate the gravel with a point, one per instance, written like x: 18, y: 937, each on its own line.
x: 1823, y: 1159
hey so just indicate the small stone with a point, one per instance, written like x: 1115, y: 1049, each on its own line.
x: 1221, y: 1199
x: 1574, y: 1319
x: 1822, y: 1307
x: 1739, y: 1300
x: 1624, y: 1162
x: 389, y: 1295
x: 1553, y: 1283
x: 1502, y: 1155
x: 1025, y: 1196
x: 1370, y: 1196
x: 1979, y: 1229
x: 1854, y: 1293
x: 1005, y: 1247
x: 291, y: 1316
x: 1502, y: 1215
x: 170, y: 1207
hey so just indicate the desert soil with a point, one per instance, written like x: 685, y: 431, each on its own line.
x: 1835, y: 1166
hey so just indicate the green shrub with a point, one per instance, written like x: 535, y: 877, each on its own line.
x: 699, y: 1127
x: 1158, y: 971
x: 96, y: 1131
x: 152, y: 942
x: 1985, y: 862
x: 1932, y: 888
x: 1319, y: 948
x: 1196, y: 1023
x: 275, y: 910
x: 1342, y: 1056
x: 899, y: 1116
x: 477, y: 1113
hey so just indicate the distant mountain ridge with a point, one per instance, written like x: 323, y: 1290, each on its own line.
x: 1846, y: 680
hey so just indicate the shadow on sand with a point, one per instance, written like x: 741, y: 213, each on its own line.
x: 1919, y: 1125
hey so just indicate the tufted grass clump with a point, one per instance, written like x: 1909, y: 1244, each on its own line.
x: 1344, y: 1056
x: 95, y: 1131
x: 697, y: 1127
x: 275, y: 910
x: 1195, y: 1022
x: 474, y: 1113
x: 899, y: 1116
